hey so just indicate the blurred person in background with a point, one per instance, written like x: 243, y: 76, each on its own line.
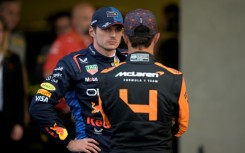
x: 10, y: 11
x: 167, y: 51
x: 11, y: 96
x: 60, y: 24
x: 78, y: 38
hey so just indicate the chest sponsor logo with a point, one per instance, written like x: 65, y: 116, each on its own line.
x: 92, y: 92
x: 48, y: 86
x: 98, y: 131
x: 92, y: 69
x: 42, y: 98
x: 91, y: 79
x: 95, y: 108
x: 44, y: 92
x: 83, y: 61
x: 97, y: 123
x: 139, y: 74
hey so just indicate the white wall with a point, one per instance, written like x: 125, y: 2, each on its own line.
x: 212, y: 47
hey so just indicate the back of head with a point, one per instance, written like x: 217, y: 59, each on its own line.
x: 140, y: 26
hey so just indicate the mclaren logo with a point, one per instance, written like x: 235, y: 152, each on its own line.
x: 139, y: 74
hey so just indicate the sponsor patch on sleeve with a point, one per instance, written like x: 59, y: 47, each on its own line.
x: 48, y: 86
x: 44, y: 92
x: 62, y: 132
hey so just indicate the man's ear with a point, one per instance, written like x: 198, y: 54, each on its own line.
x: 91, y: 31
x: 156, y: 38
x: 125, y: 38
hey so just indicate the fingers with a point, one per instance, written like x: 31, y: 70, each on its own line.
x: 89, y: 145
x: 92, y: 141
x: 93, y: 148
x: 86, y: 145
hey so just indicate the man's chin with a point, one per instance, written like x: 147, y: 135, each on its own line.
x: 109, y: 49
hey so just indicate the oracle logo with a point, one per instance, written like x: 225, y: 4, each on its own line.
x: 92, y: 92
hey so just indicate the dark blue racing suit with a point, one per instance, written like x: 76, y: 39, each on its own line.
x: 75, y: 78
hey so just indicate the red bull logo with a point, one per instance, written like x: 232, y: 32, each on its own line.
x: 96, y: 108
x: 62, y: 132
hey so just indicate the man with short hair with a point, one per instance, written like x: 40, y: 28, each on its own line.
x: 78, y: 38
x: 141, y: 99
x: 75, y: 78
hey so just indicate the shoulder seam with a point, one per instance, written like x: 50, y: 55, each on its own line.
x: 169, y: 69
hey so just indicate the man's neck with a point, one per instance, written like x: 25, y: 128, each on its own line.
x: 107, y: 53
x: 148, y: 50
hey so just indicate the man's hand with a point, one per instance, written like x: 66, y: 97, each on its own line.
x: 17, y: 132
x: 86, y: 145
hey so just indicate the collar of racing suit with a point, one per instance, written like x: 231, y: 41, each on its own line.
x: 140, y: 57
x: 120, y: 53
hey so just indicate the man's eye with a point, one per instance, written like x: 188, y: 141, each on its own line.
x: 119, y: 29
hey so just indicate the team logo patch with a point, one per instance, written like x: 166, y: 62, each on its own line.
x: 96, y: 108
x: 44, y: 92
x: 92, y: 69
x: 140, y: 57
x: 48, y: 86
x: 62, y: 132
x: 111, y: 14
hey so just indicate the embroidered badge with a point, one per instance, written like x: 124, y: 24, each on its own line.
x: 92, y: 69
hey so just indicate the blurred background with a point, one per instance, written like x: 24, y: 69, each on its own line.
x: 203, y: 39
